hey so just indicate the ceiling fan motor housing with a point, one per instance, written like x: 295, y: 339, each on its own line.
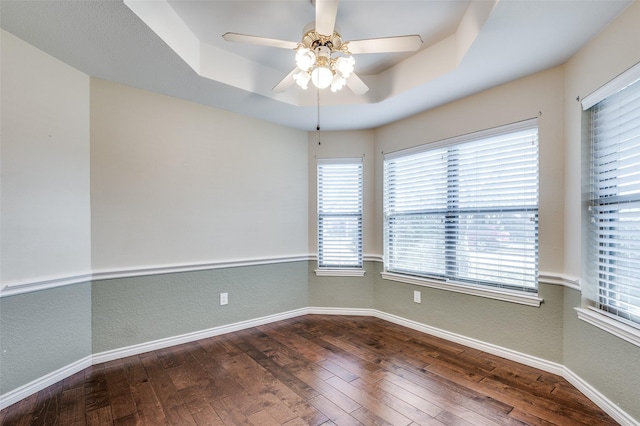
x: 312, y: 40
x: 314, y: 59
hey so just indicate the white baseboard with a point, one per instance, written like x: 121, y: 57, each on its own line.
x: 516, y: 356
x: 362, y: 312
x: 590, y: 392
x: 599, y: 399
x: 37, y: 385
x: 191, y: 337
x: 40, y: 383
x: 593, y: 394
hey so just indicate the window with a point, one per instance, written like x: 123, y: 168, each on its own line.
x: 465, y: 210
x: 615, y: 200
x: 340, y: 213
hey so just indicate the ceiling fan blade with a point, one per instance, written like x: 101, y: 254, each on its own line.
x: 261, y: 41
x: 326, y: 11
x: 285, y: 83
x: 408, y: 43
x: 356, y: 85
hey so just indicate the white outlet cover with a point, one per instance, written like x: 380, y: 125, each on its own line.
x: 417, y: 296
x: 224, y: 298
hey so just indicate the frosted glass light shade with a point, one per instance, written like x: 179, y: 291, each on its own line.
x: 337, y: 83
x: 321, y: 77
x: 345, y: 65
x: 302, y: 79
x: 305, y: 58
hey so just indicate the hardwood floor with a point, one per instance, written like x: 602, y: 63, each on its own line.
x: 311, y: 370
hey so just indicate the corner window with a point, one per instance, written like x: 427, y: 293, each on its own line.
x: 339, y: 213
x: 465, y: 210
x: 615, y: 199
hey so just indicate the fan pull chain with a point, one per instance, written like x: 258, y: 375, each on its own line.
x: 318, y: 112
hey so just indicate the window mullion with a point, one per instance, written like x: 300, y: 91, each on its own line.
x: 451, y: 218
x: 462, y: 211
x: 615, y: 202
x: 340, y: 213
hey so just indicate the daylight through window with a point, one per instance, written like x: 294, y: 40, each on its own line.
x: 465, y: 210
x: 340, y: 213
x: 615, y: 201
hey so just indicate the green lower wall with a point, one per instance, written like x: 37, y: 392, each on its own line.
x: 609, y: 364
x: 131, y: 311
x: 535, y: 331
x: 343, y: 292
x: 43, y: 331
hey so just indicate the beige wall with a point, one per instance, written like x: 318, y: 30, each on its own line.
x: 346, y: 144
x: 606, y: 362
x: 612, y: 52
x: 158, y: 181
x: 173, y: 182
x: 45, y: 231
x: 535, y: 331
x: 553, y: 332
x: 44, y: 209
x: 539, y: 95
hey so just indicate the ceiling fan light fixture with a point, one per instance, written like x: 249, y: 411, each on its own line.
x: 314, y: 62
x: 302, y: 79
x: 338, y: 82
x: 345, y: 65
x: 321, y: 76
x: 320, y: 41
x: 305, y: 58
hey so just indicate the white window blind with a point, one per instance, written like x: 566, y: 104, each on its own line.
x: 615, y: 206
x: 466, y: 209
x: 340, y: 213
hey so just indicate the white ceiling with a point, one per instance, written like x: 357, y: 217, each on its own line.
x: 174, y: 47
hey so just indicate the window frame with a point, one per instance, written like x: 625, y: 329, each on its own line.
x: 330, y: 269
x: 515, y: 295
x: 597, y: 313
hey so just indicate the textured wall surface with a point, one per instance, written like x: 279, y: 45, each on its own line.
x: 44, y: 213
x: 343, y: 292
x: 535, y: 331
x: 43, y: 331
x: 130, y: 311
x: 171, y: 185
x: 536, y: 96
x: 44, y: 167
x: 173, y: 182
x: 608, y: 363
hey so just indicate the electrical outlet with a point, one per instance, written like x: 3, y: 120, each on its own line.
x: 417, y: 296
x: 224, y: 298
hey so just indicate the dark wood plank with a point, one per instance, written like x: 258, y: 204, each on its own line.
x: 370, y: 402
x: 20, y: 412
x: 333, y: 411
x: 47, y: 406
x: 99, y: 416
x: 74, y: 381
x: 149, y: 407
x: 72, y: 409
x: 118, y: 388
x: 311, y: 370
x: 230, y: 413
x: 172, y: 405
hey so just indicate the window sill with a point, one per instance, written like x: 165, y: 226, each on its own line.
x: 504, y: 295
x: 336, y: 272
x: 609, y: 324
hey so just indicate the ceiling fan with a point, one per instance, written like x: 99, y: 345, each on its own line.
x: 322, y: 57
